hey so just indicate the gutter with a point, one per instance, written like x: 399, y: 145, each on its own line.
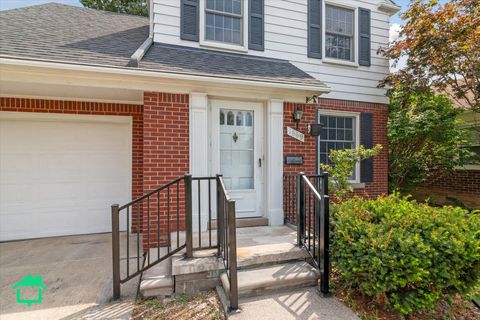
x: 152, y: 73
x: 389, y: 8
x: 140, y: 52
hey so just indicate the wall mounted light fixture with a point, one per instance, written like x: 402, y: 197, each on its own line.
x: 297, y: 115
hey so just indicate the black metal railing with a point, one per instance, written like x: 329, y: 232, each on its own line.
x: 290, y: 194
x: 227, y: 239
x: 174, y: 217
x: 306, y: 205
x: 203, y: 189
x: 150, y: 226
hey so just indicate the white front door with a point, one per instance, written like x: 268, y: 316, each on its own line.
x: 237, y: 152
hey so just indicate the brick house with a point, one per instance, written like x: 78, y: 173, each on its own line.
x: 100, y: 108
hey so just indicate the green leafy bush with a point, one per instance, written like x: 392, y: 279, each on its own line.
x: 406, y: 254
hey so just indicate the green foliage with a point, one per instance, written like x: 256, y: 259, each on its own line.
x: 135, y: 7
x: 424, y: 139
x: 405, y: 254
x: 344, y: 161
x: 440, y: 42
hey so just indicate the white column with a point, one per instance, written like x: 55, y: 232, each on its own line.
x: 274, y: 159
x: 199, y: 153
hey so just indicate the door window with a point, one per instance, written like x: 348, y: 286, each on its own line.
x: 237, y: 149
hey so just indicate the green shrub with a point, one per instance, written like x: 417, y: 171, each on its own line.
x: 407, y: 254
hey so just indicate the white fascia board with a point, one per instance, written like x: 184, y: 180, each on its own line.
x: 131, y: 74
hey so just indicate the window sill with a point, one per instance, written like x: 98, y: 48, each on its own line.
x: 223, y: 46
x: 340, y: 62
x: 357, y: 185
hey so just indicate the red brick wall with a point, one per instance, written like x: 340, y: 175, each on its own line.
x: 308, y: 149
x: 91, y: 108
x: 461, y: 181
x: 165, y: 158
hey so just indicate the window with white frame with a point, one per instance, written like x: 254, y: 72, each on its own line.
x: 339, y: 33
x: 338, y: 132
x: 224, y: 21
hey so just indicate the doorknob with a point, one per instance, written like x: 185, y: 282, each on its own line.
x: 260, y: 162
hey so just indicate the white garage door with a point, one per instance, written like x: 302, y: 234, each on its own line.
x: 59, y: 174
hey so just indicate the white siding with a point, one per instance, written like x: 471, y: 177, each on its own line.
x: 286, y: 38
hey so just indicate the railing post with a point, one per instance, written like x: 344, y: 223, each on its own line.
x: 219, y: 216
x: 325, y: 240
x: 116, y: 251
x: 188, y: 216
x: 300, y: 208
x: 232, y: 238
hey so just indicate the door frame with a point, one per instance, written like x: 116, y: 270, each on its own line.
x: 259, y: 146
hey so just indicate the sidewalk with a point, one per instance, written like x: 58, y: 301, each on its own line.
x: 299, y: 304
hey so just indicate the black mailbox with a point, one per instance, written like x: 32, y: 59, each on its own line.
x: 315, y: 129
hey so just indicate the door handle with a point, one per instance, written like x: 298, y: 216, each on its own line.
x: 260, y: 162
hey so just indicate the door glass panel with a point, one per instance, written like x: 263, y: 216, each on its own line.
x: 237, y: 149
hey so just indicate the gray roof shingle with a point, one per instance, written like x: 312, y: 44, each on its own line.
x: 65, y: 33
x: 172, y: 58
x: 79, y: 35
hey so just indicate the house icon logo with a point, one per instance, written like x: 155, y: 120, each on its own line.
x: 35, y: 282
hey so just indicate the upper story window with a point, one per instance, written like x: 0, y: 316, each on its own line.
x: 224, y: 21
x: 339, y: 33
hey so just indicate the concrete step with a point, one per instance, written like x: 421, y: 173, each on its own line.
x: 157, y: 281
x: 269, y: 278
x: 244, y: 223
x: 257, y: 255
x: 159, y: 286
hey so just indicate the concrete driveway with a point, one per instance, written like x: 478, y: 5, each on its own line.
x: 76, y: 271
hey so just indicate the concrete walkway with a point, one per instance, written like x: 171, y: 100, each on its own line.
x: 300, y: 304
x: 76, y: 271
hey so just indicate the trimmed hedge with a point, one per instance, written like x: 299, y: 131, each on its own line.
x: 407, y: 254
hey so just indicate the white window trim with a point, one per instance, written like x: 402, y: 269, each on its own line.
x: 346, y: 5
x: 221, y: 45
x: 355, y: 115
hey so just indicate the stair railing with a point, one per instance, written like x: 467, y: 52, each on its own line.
x: 227, y: 239
x: 150, y: 229
x: 306, y: 205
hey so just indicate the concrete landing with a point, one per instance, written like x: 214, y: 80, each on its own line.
x: 245, y: 223
x: 297, y: 304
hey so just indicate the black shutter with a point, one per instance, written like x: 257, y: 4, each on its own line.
x: 256, y: 29
x: 189, y: 20
x: 366, y: 139
x: 364, y: 41
x: 315, y: 29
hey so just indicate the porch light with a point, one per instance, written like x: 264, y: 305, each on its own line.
x: 297, y: 115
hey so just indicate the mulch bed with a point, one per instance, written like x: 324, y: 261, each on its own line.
x: 204, y: 306
x: 460, y: 307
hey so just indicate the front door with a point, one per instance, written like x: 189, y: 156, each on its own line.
x: 237, y: 153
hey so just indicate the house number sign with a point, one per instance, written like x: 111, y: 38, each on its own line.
x: 295, y: 134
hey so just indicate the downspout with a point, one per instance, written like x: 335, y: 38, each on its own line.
x: 142, y: 50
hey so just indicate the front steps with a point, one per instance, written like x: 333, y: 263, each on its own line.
x: 267, y: 260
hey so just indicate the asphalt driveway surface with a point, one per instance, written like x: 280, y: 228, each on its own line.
x: 75, y: 269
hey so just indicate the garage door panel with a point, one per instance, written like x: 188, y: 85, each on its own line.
x: 16, y: 166
x: 64, y: 179
x: 59, y: 165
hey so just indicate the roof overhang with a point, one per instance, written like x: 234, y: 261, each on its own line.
x: 55, y: 72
